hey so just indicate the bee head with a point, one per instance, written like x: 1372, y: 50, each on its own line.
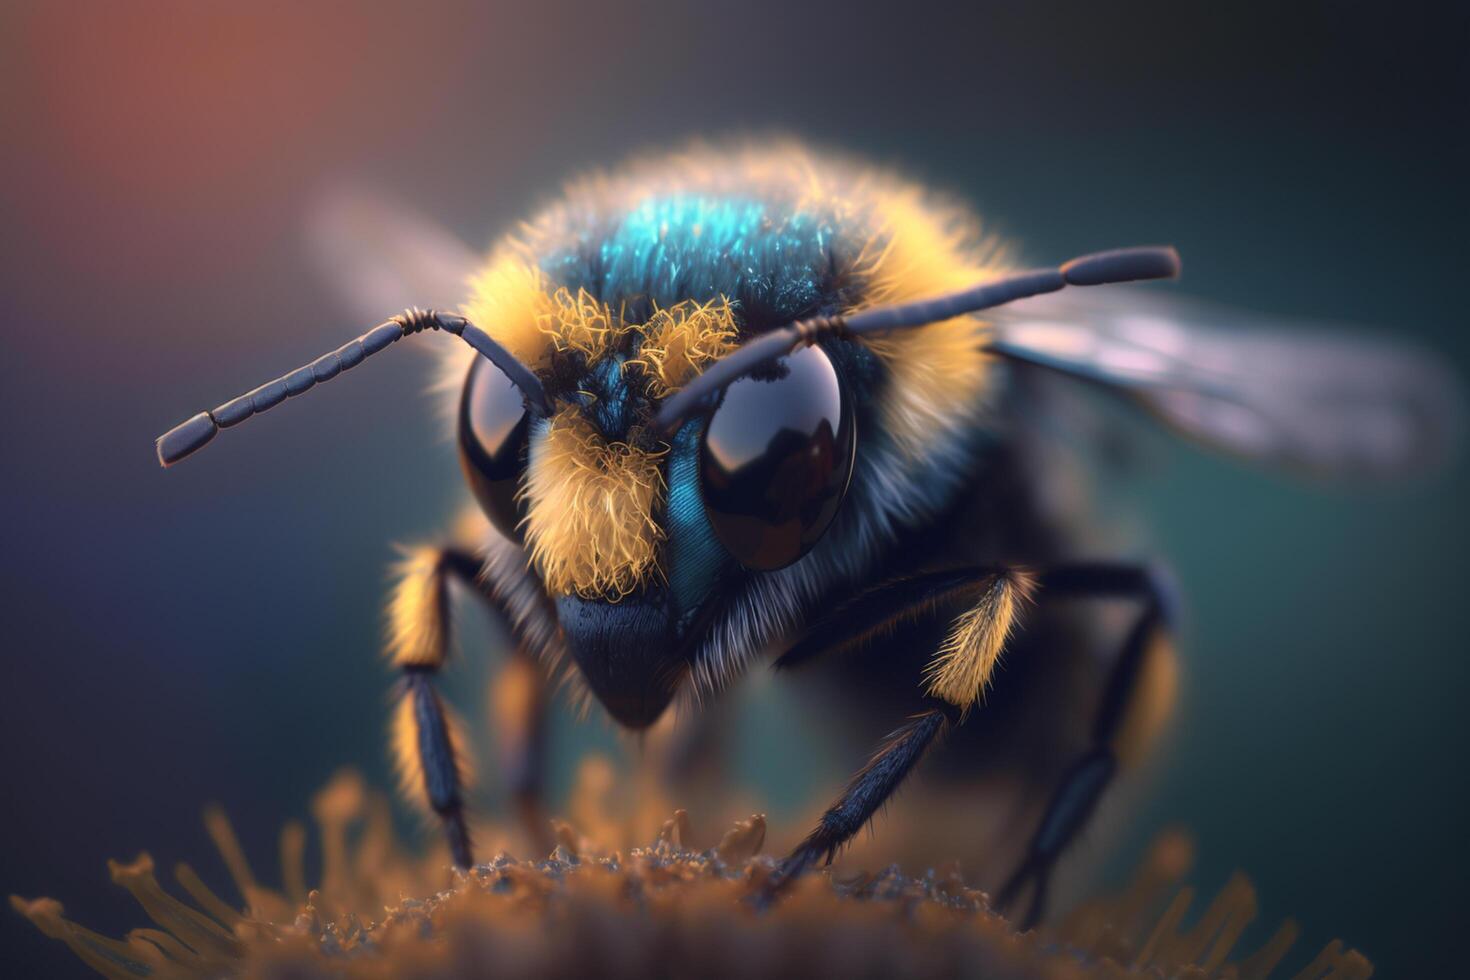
x: 630, y: 532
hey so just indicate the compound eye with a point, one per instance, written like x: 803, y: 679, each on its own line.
x: 776, y: 458
x: 493, y: 428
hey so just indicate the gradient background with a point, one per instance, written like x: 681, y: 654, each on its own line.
x: 212, y: 633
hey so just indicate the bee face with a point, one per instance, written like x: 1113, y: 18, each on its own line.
x: 666, y: 556
x: 629, y: 534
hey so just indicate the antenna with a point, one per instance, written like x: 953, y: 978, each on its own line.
x: 193, y: 434
x: 1118, y: 265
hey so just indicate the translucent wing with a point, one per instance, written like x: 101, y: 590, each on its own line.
x: 382, y: 256
x: 1327, y: 399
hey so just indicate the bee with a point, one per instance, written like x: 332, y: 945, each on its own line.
x: 745, y: 403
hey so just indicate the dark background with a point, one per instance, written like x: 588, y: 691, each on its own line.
x: 211, y: 633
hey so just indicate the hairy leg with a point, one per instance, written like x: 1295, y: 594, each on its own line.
x: 867, y: 791
x: 426, y: 740
x: 954, y: 679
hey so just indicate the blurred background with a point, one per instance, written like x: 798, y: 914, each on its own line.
x: 212, y: 633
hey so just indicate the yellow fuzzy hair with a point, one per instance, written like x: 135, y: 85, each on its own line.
x: 962, y: 668
x: 531, y: 320
x: 680, y: 341
x: 920, y: 250
x: 590, y: 523
x: 404, y: 749
x: 418, y: 611
x: 522, y: 311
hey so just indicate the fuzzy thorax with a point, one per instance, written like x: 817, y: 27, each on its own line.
x: 590, y: 523
x: 939, y: 372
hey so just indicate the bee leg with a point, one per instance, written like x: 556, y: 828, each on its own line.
x: 427, y: 746
x: 518, y: 701
x: 426, y: 740
x: 423, y: 731
x: 954, y: 680
x: 866, y: 792
x: 1077, y: 796
x: 879, y: 609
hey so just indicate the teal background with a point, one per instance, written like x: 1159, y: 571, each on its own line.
x: 211, y: 633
